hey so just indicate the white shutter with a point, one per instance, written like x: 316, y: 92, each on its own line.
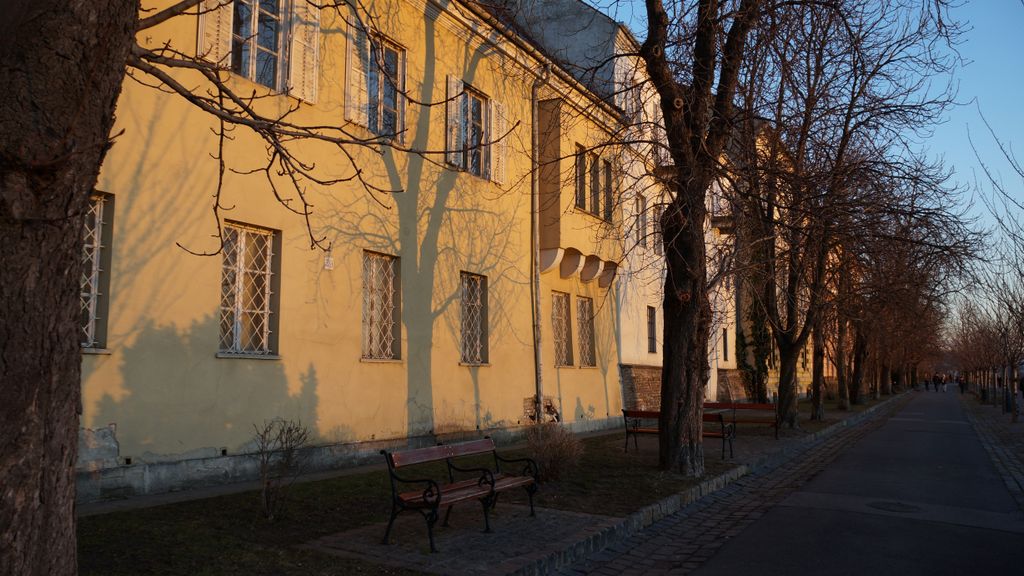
x: 303, y: 61
x: 499, y: 149
x: 214, y: 42
x: 454, y: 139
x: 356, y: 96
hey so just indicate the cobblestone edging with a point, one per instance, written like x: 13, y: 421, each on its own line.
x: 650, y: 514
x: 1003, y: 458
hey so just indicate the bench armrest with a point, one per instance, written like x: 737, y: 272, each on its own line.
x: 486, y: 476
x: 530, y: 468
x: 431, y: 490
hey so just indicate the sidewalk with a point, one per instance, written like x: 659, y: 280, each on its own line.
x: 1003, y: 440
x: 556, y: 539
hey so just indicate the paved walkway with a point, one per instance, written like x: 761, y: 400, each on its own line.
x: 555, y: 539
x: 913, y: 493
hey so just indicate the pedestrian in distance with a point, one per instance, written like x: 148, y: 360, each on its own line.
x: 936, y: 382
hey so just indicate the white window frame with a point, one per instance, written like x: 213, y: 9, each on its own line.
x: 493, y: 141
x: 474, y: 348
x: 95, y: 272
x: 257, y: 15
x: 381, y: 307
x: 561, y: 322
x: 365, y: 84
x: 248, y: 323
x: 585, y: 320
x: 298, y: 43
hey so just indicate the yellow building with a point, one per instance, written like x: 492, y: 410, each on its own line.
x: 445, y: 250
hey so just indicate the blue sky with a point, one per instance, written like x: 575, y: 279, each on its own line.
x: 991, y: 83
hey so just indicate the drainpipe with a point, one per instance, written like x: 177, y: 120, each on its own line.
x: 541, y: 80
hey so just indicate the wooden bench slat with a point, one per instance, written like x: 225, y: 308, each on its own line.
x: 435, y: 453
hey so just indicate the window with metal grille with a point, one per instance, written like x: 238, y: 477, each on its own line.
x: 474, y: 318
x: 585, y: 318
x: 256, y: 41
x: 562, y: 328
x: 95, y: 267
x: 725, y: 344
x: 652, y: 330
x: 246, y: 296
x: 381, y: 336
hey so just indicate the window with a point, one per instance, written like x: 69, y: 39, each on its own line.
x: 585, y: 317
x: 659, y: 238
x: 652, y: 330
x: 641, y: 221
x: 256, y: 41
x: 474, y: 319
x: 271, y: 42
x: 248, y: 299
x: 376, y: 84
x: 385, y: 84
x: 609, y: 202
x: 591, y: 190
x: 381, y: 335
x: 562, y: 329
x: 581, y: 177
x: 476, y: 141
x: 96, y: 271
x: 725, y: 344
x: 803, y: 358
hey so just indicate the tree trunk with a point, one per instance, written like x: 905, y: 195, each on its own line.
x: 842, y: 385
x: 786, y: 411
x: 818, y: 372
x: 685, y: 367
x: 860, y: 353
x: 884, y: 385
x: 63, y: 64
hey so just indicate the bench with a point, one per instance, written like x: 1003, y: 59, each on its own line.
x: 640, y: 422
x: 477, y: 483
x: 745, y: 412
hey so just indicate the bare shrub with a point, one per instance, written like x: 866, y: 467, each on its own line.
x: 279, y: 444
x: 556, y: 449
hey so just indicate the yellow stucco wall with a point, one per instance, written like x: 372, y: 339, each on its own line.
x: 161, y: 381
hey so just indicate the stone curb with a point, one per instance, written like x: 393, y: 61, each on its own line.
x: 652, y: 513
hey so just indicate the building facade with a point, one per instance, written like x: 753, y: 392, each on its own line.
x: 439, y: 261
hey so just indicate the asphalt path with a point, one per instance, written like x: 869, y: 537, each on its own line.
x: 918, y: 495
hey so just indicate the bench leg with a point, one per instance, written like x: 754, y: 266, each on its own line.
x: 530, y: 491
x: 447, y: 513
x: 626, y: 448
x: 394, y: 514
x: 730, y: 447
x: 431, y: 518
x: 487, y: 502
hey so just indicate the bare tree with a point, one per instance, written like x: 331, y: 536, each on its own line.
x: 65, y: 64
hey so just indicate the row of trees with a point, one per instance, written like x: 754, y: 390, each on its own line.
x: 807, y: 114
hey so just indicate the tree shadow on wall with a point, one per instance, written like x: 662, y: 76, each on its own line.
x: 179, y: 401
